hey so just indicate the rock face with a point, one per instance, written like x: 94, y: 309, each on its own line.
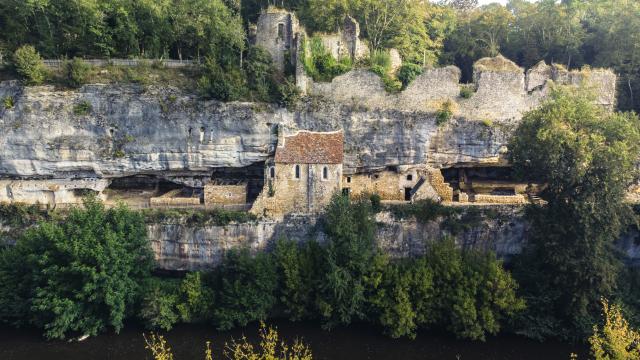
x: 501, y: 229
x: 105, y: 131
x: 132, y: 131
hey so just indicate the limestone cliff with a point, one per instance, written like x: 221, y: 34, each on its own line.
x: 501, y: 229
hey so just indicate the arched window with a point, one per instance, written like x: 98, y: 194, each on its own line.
x: 272, y: 172
x: 325, y: 173
x: 297, y: 171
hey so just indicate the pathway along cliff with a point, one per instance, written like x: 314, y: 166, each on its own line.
x: 354, y: 342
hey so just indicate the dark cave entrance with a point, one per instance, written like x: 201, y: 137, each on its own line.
x: 252, y: 175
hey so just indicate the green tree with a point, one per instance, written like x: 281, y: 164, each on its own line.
x: 614, y: 37
x: 246, y: 289
x: 260, y: 73
x: 472, y: 292
x: 159, y: 305
x: 347, y: 260
x: 297, y: 266
x: 392, y: 302
x: 81, y: 275
x: 29, y: 65
x: 586, y: 156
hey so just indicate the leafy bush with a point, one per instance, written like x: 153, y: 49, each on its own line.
x: 423, y: 211
x: 408, y: 73
x: 445, y: 113
x: 76, y: 72
x: 81, y: 275
x: 320, y: 64
x: 391, y: 84
x: 616, y: 339
x: 487, y: 122
x: 29, y: 65
x: 84, y: 107
x: 8, y: 102
x: 466, y: 92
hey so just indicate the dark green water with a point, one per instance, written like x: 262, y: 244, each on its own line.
x: 354, y: 342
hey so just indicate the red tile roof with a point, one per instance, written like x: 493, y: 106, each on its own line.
x: 311, y: 148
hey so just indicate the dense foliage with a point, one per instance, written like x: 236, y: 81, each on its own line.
x: 587, y: 158
x: 117, y: 28
x: 79, y: 276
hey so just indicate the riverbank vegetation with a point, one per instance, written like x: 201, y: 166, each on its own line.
x: 597, y: 33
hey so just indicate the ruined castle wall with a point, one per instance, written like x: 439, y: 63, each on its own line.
x: 501, y: 93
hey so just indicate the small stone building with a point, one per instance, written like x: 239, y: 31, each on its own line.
x: 304, y: 174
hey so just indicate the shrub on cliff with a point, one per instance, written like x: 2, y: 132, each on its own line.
x: 29, y: 65
x: 80, y: 276
x: 76, y: 72
x: 408, y: 73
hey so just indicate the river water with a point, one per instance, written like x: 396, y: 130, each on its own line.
x: 354, y: 342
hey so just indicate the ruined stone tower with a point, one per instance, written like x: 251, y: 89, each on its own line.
x: 278, y: 32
